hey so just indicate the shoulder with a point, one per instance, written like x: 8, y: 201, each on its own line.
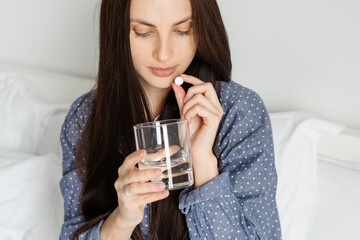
x: 237, y: 99
x: 245, y: 113
x: 74, y: 124
x: 72, y: 128
x: 81, y: 107
x: 80, y: 110
x: 245, y: 122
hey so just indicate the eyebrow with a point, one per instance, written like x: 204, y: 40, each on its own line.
x: 152, y: 25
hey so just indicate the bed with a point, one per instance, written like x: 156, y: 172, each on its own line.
x: 317, y: 196
x: 48, y: 57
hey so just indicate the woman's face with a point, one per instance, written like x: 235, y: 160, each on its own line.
x: 161, y: 40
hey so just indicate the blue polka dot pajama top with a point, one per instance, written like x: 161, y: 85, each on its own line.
x: 237, y: 204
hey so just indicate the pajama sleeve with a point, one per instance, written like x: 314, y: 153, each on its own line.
x: 240, y: 202
x: 70, y: 183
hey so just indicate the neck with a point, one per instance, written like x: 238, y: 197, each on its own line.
x: 157, y: 98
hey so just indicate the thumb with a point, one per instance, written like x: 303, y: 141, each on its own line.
x: 179, y: 94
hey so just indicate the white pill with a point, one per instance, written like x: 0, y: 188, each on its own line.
x: 179, y: 81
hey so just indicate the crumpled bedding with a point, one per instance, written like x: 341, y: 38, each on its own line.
x: 30, y: 199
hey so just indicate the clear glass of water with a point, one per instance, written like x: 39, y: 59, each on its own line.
x: 167, y: 145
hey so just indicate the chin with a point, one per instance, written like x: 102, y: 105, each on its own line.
x: 164, y: 85
x: 162, y: 82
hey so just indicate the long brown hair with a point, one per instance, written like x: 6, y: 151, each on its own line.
x: 108, y: 135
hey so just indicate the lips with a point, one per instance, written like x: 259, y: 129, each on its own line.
x: 163, y: 72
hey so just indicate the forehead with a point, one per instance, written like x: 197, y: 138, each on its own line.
x: 160, y: 12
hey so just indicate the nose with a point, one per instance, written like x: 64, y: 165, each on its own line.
x: 163, y: 49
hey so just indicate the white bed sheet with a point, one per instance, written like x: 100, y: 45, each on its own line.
x: 29, y: 187
x: 336, y: 212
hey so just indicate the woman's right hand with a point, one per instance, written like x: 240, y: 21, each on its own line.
x: 131, y: 208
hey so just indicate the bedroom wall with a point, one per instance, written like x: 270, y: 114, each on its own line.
x: 302, y: 55
x: 50, y: 34
x: 298, y: 55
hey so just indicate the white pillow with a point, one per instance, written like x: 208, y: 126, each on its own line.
x: 23, y: 116
x: 50, y: 143
x: 295, y: 142
x: 29, y: 187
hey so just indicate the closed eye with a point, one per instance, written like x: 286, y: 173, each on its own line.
x: 183, y: 32
x: 142, y: 34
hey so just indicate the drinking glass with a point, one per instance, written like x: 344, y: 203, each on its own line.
x: 167, y: 145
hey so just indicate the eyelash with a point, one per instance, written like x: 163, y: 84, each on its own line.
x: 143, y: 35
x: 184, y: 32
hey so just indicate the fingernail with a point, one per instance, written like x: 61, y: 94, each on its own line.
x: 183, y: 75
x: 142, y: 153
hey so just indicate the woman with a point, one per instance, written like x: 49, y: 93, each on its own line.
x: 144, y: 45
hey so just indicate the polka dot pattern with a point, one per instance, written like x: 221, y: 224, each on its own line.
x: 240, y: 202
x: 70, y: 184
x: 237, y: 204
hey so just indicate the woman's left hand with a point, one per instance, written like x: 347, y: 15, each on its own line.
x: 201, y: 107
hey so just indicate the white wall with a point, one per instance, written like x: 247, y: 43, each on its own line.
x: 298, y: 55
x: 56, y: 35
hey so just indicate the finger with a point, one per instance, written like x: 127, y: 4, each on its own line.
x: 152, y: 197
x: 201, y: 100
x: 162, y: 153
x: 143, y: 188
x: 179, y: 95
x: 206, y: 89
x: 207, y: 116
x: 143, y: 166
x: 157, y: 156
x: 132, y: 159
x: 191, y: 79
x: 140, y: 176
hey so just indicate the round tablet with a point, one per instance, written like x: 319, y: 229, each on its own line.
x: 179, y: 81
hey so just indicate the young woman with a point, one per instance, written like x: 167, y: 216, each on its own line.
x: 144, y: 46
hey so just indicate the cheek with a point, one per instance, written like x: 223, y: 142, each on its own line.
x: 187, y: 50
x: 139, y: 52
